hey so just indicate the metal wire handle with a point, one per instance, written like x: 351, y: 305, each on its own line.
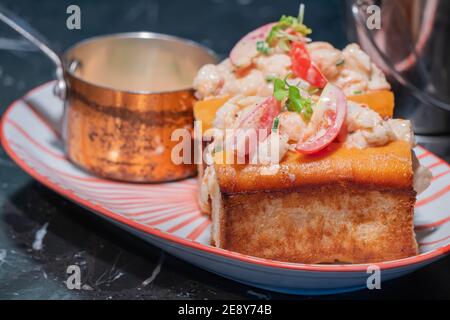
x: 28, y: 32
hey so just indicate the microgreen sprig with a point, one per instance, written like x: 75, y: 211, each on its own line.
x: 280, y: 91
x: 280, y: 36
x: 294, y: 100
x: 279, y: 33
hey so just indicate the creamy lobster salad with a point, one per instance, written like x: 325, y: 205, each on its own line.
x: 279, y: 80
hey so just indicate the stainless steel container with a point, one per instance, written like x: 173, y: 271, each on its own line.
x: 413, y: 49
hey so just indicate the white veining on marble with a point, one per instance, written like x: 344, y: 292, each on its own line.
x: 155, y: 272
x: 39, y: 237
x: 3, y: 254
x: 260, y: 296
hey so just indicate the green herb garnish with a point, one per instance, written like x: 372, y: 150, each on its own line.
x: 307, y: 112
x: 279, y: 89
x: 272, y: 34
x: 280, y: 36
x: 357, y: 92
x: 276, y: 124
x: 262, y: 47
x: 295, y: 101
x: 278, y: 31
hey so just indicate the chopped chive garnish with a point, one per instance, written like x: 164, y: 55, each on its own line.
x: 357, y: 92
x: 276, y: 124
x: 301, y: 13
x: 340, y: 63
x: 262, y: 47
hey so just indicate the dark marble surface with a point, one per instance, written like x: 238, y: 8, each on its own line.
x: 114, y: 264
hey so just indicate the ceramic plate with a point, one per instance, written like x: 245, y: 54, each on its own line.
x: 167, y: 215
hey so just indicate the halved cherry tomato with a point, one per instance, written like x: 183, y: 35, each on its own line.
x: 245, y: 50
x: 304, y: 68
x: 260, y: 119
x: 333, y: 99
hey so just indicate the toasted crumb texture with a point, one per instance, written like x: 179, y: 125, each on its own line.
x: 317, y: 224
x: 350, y: 206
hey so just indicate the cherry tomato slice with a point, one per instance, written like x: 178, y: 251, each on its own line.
x: 304, y: 68
x: 260, y: 119
x: 245, y: 50
x: 332, y: 97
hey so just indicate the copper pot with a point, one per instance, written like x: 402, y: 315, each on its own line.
x: 124, y: 96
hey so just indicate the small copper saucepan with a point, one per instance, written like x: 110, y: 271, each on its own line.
x: 124, y: 96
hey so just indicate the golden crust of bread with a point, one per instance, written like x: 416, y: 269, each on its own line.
x: 346, y: 205
x: 389, y: 166
x: 321, y: 224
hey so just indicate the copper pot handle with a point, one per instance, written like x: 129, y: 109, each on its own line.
x: 29, y: 33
